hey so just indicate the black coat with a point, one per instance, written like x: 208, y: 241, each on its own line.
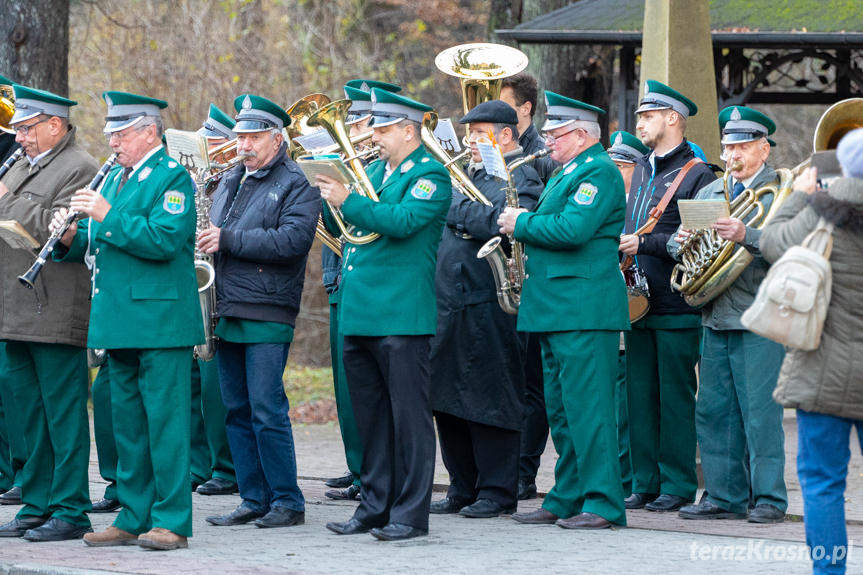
x: 531, y: 143
x: 477, y: 356
x: 268, y: 227
x: 645, y: 192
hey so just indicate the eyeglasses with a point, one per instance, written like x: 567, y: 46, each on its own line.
x: 120, y: 136
x: 24, y: 130
x: 550, y: 139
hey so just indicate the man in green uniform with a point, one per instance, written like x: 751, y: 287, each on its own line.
x: 736, y: 418
x: 388, y: 316
x: 139, y: 241
x: 574, y: 298
x: 359, y: 92
x: 662, y: 348
x: 44, y: 330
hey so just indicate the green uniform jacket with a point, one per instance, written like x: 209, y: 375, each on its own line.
x: 388, y: 286
x: 58, y: 308
x: 573, y: 281
x: 144, y: 289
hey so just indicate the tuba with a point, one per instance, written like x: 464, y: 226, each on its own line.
x: 7, y: 108
x: 332, y: 118
x: 709, y: 264
x: 481, y: 69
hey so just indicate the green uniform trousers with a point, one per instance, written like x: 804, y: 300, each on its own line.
x: 150, y: 405
x: 661, y: 383
x: 579, y: 372
x: 49, y: 384
x: 623, y: 425
x: 13, y: 451
x: 345, y: 409
x: 213, y: 415
x: 739, y: 425
x: 103, y: 430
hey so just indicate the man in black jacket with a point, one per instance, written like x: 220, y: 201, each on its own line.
x: 263, y: 223
x: 477, y: 357
x: 662, y: 348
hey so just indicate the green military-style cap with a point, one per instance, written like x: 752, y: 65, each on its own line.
x: 4, y: 81
x: 257, y: 114
x: 218, y: 125
x: 561, y: 111
x: 359, y: 92
x: 741, y: 124
x: 30, y: 102
x: 389, y: 108
x: 658, y: 96
x: 125, y: 109
x: 626, y: 148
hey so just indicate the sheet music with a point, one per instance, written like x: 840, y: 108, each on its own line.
x: 315, y: 141
x: 188, y: 148
x: 445, y: 134
x: 701, y: 214
x: 492, y: 159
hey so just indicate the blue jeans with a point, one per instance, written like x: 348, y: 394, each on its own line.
x: 822, y: 465
x: 258, y: 426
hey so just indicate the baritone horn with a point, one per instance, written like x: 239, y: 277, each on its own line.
x: 7, y: 108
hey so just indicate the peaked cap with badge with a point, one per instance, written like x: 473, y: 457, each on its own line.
x: 359, y: 92
x: 658, y: 96
x: 562, y: 111
x: 740, y: 124
x: 218, y: 125
x: 389, y: 108
x: 126, y: 109
x: 257, y: 114
x: 626, y: 148
x: 30, y: 102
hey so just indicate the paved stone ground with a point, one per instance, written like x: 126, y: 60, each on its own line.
x: 653, y: 543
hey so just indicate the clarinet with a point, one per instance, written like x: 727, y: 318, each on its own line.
x: 16, y: 155
x: 29, y: 277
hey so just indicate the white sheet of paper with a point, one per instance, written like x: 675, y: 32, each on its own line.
x: 188, y: 148
x: 701, y: 214
x: 446, y: 136
x: 492, y: 159
x: 318, y: 140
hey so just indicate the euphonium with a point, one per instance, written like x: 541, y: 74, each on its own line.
x: 508, y: 271
x: 205, y: 274
x: 7, y: 108
x: 332, y: 118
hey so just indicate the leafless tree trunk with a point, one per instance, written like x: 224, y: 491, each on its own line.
x: 34, y: 43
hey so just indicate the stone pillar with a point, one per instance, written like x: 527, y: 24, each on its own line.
x: 677, y: 50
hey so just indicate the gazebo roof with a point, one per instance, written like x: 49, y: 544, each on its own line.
x: 735, y: 23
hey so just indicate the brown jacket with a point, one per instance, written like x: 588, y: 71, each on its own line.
x: 58, y: 309
x: 829, y: 379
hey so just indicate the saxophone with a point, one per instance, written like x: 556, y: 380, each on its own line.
x: 205, y: 273
x: 508, y: 271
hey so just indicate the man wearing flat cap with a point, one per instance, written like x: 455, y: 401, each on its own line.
x: 212, y: 466
x: 662, y: 348
x: 138, y: 241
x: 477, y: 391
x: 738, y: 423
x: 574, y: 299
x: 262, y: 226
x: 44, y: 331
x: 347, y: 486
x: 387, y: 316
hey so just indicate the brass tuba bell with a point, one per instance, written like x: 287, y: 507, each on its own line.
x: 7, y: 108
x: 836, y: 121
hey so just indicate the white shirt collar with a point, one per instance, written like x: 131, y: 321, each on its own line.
x: 34, y: 161
x: 747, y: 183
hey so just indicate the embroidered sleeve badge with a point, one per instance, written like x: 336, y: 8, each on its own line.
x: 175, y: 202
x: 585, y: 195
x: 423, y: 189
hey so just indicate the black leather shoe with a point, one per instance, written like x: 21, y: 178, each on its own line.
x: 217, y: 486
x: 766, y: 513
x: 11, y: 497
x: 106, y: 506
x: 483, y: 508
x: 281, y: 517
x: 397, y: 532
x: 707, y: 510
x: 536, y: 517
x: 350, y: 527
x: 352, y: 493
x: 639, y: 500
x: 57, y: 530
x: 448, y: 505
x: 18, y: 527
x: 242, y: 514
x: 526, y: 490
x: 342, y: 482
x: 666, y: 502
